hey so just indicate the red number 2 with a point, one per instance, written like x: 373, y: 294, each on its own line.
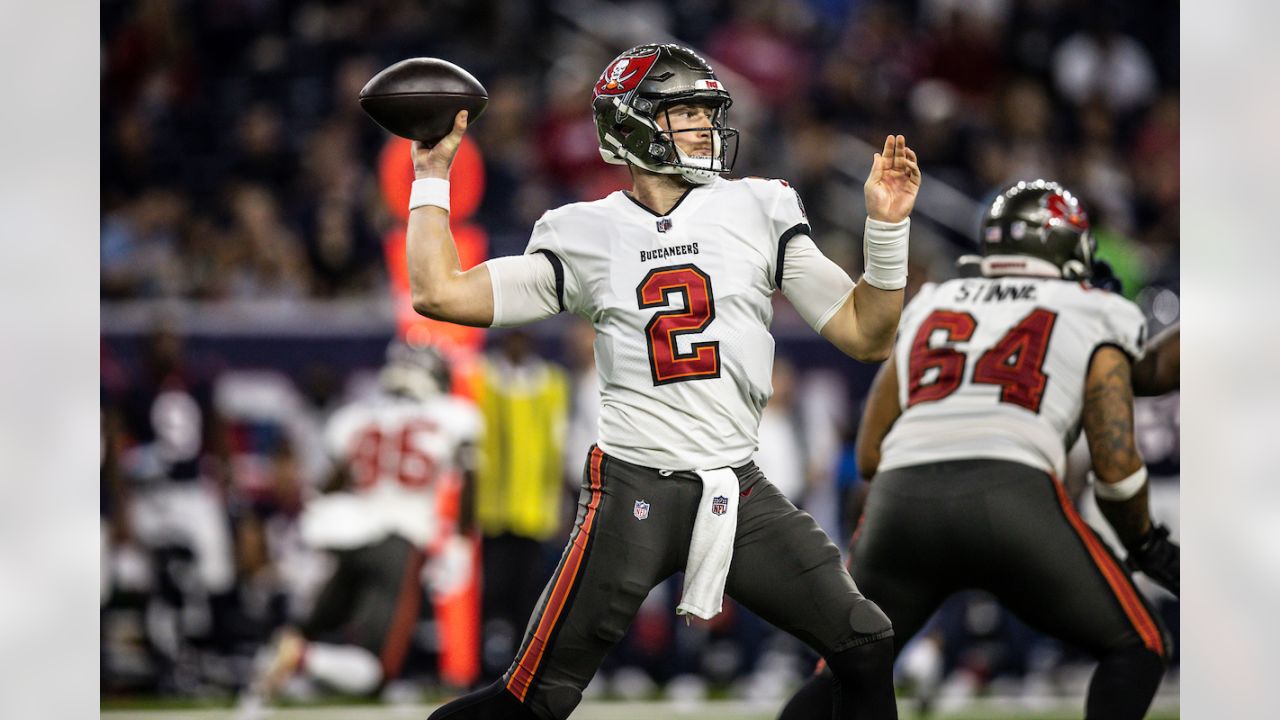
x: 666, y: 362
x: 1014, y: 363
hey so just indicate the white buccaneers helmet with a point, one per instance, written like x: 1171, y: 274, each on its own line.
x: 642, y: 83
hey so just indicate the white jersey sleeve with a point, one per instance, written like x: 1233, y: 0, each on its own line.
x: 1123, y: 325
x: 812, y: 283
x: 529, y: 287
x: 787, y: 221
x: 340, y: 432
x: 546, y: 241
x: 816, y: 286
x: 465, y: 421
x: 524, y: 289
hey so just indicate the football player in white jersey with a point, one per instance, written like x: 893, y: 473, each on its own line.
x: 677, y: 275
x: 392, y: 499
x: 966, y: 433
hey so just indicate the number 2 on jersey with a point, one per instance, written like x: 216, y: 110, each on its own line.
x: 1014, y: 363
x: 666, y: 362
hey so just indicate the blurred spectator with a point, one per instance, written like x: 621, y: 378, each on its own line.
x: 519, y: 487
x: 141, y: 246
x: 175, y: 456
x: 1104, y: 62
x: 763, y: 42
x: 268, y: 260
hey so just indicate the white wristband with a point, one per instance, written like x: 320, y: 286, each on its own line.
x: 429, y: 191
x: 885, y: 253
x: 1122, y: 490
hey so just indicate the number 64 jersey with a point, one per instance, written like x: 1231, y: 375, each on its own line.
x: 681, y: 304
x: 995, y: 367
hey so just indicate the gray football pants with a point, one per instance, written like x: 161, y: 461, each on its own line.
x: 784, y: 569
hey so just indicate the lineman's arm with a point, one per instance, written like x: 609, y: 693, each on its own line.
x: 864, y: 326
x: 879, y: 415
x: 1157, y: 372
x: 1119, y: 477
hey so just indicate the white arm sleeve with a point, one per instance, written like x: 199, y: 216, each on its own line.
x: 525, y: 289
x: 816, y: 286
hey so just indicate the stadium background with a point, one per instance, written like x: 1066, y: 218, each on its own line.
x: 245, y: 210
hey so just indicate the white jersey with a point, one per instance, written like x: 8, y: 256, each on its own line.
x: 403, y: 457
x: 681, y: 304
x: 996, y: 367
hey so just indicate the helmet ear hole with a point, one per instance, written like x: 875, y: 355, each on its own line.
x: 1074, y: 270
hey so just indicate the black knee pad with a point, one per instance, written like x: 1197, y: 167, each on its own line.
x: 868, y: 621
x: 869, y: 651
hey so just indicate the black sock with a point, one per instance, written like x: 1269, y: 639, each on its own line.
x: 813, y: 701
x: 490, y: 703
x: 1123, y: 684
x: 863, y: 688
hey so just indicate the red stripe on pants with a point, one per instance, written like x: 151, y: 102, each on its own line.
x: 1117, y: 578
x: 564, y: 582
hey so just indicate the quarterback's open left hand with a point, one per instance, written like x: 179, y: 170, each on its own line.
x: 893, y: 182
x: 1158, y: 558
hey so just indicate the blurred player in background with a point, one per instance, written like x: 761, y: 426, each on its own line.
x: 1158, y: 372
x: 677, y: 277
x: 966, y: 431
x: 175, y: 460
x: 393, y: 498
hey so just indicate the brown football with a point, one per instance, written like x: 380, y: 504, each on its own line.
x: 419, y: 97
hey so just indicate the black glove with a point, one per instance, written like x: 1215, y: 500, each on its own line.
x: 1157, y: 557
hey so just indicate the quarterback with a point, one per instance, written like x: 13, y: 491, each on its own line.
x: 966, y: 432
x: 676, y: 275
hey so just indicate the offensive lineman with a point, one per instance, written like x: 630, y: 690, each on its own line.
x: 392, y: 499
x: 676, y: 276
x: 966, y: 431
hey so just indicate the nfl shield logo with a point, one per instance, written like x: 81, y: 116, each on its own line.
x: 641, y: 510
x: 664, y: 224
x: 719, y: 505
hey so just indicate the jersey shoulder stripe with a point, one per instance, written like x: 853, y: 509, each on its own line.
x: 794, y: 230
x: 557, y: 267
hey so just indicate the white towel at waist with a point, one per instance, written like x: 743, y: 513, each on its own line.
x: 711, y: 549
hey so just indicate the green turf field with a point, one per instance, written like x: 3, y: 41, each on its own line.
x: 719, y: 710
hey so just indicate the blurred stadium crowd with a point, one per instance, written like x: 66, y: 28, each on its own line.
x: 237, y: 165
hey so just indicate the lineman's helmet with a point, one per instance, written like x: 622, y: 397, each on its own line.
x: 1042, y: 220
